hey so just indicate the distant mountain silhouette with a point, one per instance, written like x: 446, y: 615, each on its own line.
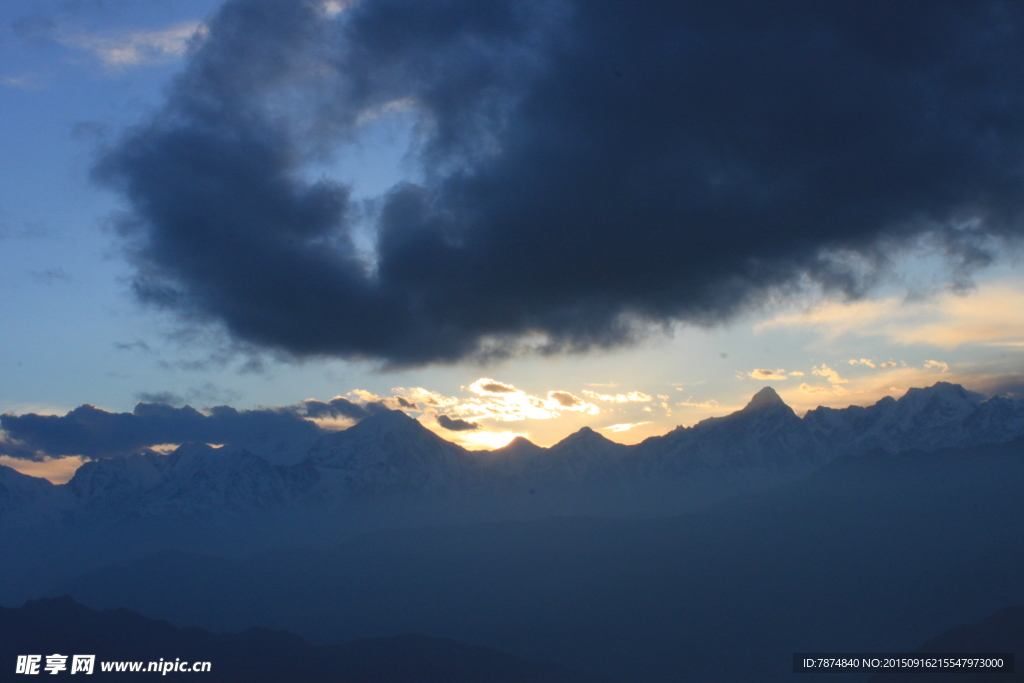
x: 391, y: 454
x: 871, y: 553
x: 63, y: 626
x: 764, y: 399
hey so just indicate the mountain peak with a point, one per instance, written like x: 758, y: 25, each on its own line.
x: 946, y: 390
x: 584, y: 437
x: 520, y: 443
x: 387, y: 420
x: 587, y: 434
x: 766, y: 398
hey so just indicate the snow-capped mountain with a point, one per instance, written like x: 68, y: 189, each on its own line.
x: 390, y: 453
x: 21, y: 494
x: 194, y: 478
x: 17, y: 489
x: 943, y: 415
x: 765, y: 434
x: 581, y: 457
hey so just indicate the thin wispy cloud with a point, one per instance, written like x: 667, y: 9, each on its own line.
x: 136, y: 48
x: 767, y: 374
x: 23, y: 82
x: 624, y: 427
x: 893, y: 379
x: 946, y: 321
x: 828, y: 373
x: 628, y: 397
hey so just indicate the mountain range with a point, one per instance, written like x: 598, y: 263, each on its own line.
x: 712, y: 552
x: 392, y: 454
x: 870, y: 553
x: 257, y: 655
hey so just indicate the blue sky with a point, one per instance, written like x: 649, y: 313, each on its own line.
x: 76, y: 75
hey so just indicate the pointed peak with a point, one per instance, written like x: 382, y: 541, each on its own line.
x: 584, y: 435
x: 390, y: 418
x: 766, y: 398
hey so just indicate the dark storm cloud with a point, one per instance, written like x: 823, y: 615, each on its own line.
x: 339, y: 407
x: 96, y: 433
x: 498, y: 388
x: 456, y: 424
x: 565, y: 399
x: 587, y: 168
x: 165, y: 397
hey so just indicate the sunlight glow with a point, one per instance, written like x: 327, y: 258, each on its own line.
x: 56, y: 470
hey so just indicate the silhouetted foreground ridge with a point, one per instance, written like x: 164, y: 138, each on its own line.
x: 61, y: 625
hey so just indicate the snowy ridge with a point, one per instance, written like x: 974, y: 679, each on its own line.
x: 943, y: 415
x: 193, y: 479
x: 766, y: 434
x: 23, y: 496
x: 390, y: 453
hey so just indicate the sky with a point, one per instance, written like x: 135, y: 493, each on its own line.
x: 506, y: 218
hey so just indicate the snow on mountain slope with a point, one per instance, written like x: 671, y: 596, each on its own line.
x: 766, y: 434
x: 23, y: 496
x: 583, y: 456
x: 943, y: 415
x: 391, y: 452
x: 192, y: 479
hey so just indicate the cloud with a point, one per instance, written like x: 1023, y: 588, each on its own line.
x: 895, y: 381
x: 91, y: 432
x: 165, y: 397
x: 818, y: 391
x: 948, y: 321
x: 580, y: 173
x: 765, y: 374
x: 565, y: 399
x: 23, y: 82
x: 629, y: 397
x: 625, y: 427
x: 337, y: 407
x: 704, y: 404
x: 828, y: 373
x: 456, y: 425
x: 863, y: 361
x: 491, y: 387
x: 332, y: 8
x: 429, y: 399
x: 504, y: 402
x: 937, y: 365
x: 137, y: 47
x: 835, y: 382
x: 1008, y: 385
